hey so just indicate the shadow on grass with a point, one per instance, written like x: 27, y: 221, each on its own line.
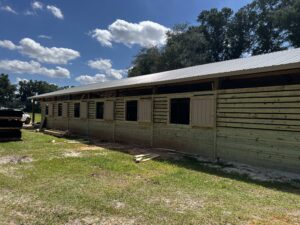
x: 188, y: 162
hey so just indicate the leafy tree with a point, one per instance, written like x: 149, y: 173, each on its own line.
x: 147, y: 61
x: 215, y: 26
x: 287, y: 17
x: 7, y: 91
x: 186, y: 46
x: 30, y: 88
x: 265, y: 35
x: 262, y: 26
x: 239, y: 35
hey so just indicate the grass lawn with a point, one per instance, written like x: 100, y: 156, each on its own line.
x: 38, y: 117
x: 72, y: 183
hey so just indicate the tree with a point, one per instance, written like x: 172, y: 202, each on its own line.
x: 30, y: 88
x: 186, y: 46
x: 7, y: 91
x: 265, y: 34
x: 215, y: 25
x: 147, y: 61
x: 262, y: 26
x: 238, y: 34
x: 287, y: 17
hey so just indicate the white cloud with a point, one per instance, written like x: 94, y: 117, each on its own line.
x: 86, y: 79
x: 42, y: 54
x: 18, y: 79
x: 8, y: 44
x: 33, y: 67
x: 29, y: 13
x: 118, y: 74
x: 44, y: 36
x: 37, y: 5
x: 55, y: 11
x: 145, y: 34
x: 105, y: 66
x: 100, y: 64
x: 8, y: 9
x: 103, y: 36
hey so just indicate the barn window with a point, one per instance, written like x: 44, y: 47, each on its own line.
x: 99, y: 110
x: 131, y: 110
x: 180, y: 111
x: 47, y: 110
x: 76, y: 110
x: 59, y: 109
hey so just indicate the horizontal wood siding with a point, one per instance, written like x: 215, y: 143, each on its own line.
x: 160, y: 110
x: 71, y: 109
x: 102, y: 130
x: 197, y: 141
x: 266, y: 148
x: 260, y: 126
x: 133, y: 132
x: 55, y: 109
x: 120, y: 109
x: 260, y: 108
x: 91, y: 110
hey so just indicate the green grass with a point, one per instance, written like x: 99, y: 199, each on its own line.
x: 38, y: 117
x: 103, y: 186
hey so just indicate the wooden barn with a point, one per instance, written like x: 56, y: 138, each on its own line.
x: 244, y: 110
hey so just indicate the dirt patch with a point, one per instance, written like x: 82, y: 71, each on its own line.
x: 116, y: 220
x: 179, y: 201
x: 118, y: 205
x: 15, y: 159
x: 72, y: 154
x: 109, y: 220
x: 295, y: 214
x: 261, y: 174
x: 112, y: 179
x: 91, y: 148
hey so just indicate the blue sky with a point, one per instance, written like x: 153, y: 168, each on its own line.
x: 78, y: 42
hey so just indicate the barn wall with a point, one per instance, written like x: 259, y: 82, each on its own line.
x: 101, y: 129
x: 260, y: 126
x: 197, y: 141
x: 183, y: 138
x: 257, y: 126
x: 130, y: 131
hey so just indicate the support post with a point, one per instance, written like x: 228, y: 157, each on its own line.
x: 215, y: 90
x: 152, y: 117
x: 33, y: 112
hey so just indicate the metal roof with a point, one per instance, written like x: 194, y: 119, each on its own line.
x: 282, y: 60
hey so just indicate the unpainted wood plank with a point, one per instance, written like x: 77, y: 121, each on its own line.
x: 261, y: 89
x: 260, y: 110
x: 260, y: 116
x: 281, y: 150
x: 257, y: 159
x: 258, y: 134
x: 261, y: 100
x: 259, y: 126
x: 260, y: 121
x: 260, y: 105
x: 259, y: 94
